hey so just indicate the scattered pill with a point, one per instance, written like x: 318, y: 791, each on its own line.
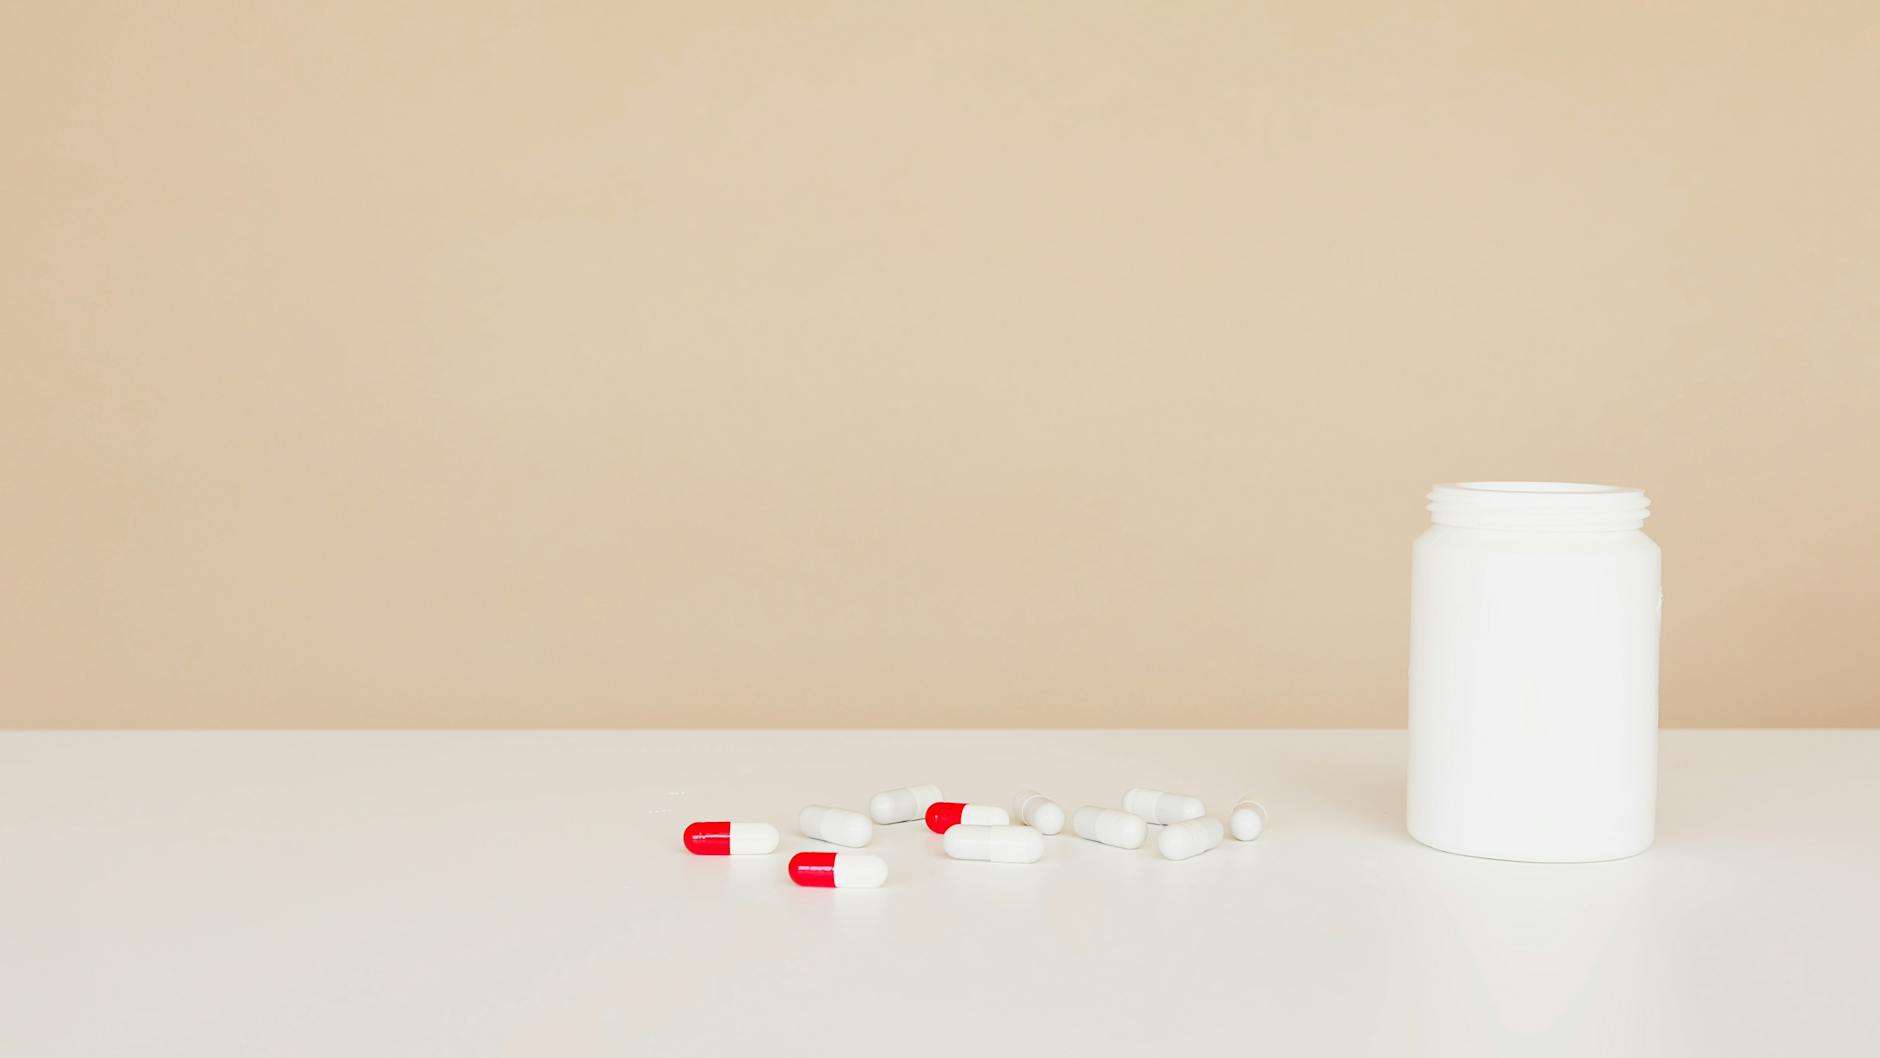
x: 730, y: 839
x: 1248, y: 820
x: 996, y: 844
x: 838, y: 870
x: 944, y: 814
x: 1037, y: 810
x: 1154, y: 806
x: 1190, y: 838
x: 899, y: 806
x: 1107, y: 825
x: 838, y: 825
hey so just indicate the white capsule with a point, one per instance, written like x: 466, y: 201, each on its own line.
x: 1109, y: 826
x: 1037, y: 810
x: 1154, y: 806
x: 995, y: 844
x: 899, y: 806
x: 1248, y: 820
x: 838, y: 825
x: 1190, y: 838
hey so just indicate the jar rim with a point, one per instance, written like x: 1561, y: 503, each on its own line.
x: 1543, y: 488
x: 1561, y: 506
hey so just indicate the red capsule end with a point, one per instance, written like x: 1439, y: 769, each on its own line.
x: 817, y: 869
x: 708, y: 839
x: 944, y: 814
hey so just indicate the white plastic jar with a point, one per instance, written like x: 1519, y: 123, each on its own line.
x: 1534, y: 611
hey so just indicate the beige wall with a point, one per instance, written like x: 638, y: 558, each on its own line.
x: 875, y: 364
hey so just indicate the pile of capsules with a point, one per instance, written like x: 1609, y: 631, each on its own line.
x: 977, y: 832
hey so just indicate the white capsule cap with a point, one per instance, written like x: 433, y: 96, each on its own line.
x: 1190, y: 838
x: 753, y: 839
x: 899, y: 806
x: 994, y: 844
x: 1248, y: 820
x: 1107, y: 825
x: 1037, y: 810
x: 838, y: 825
x: 1154, y: 806
x: 857, y: 870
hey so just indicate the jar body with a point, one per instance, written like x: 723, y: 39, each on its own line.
x: 1534, y: 692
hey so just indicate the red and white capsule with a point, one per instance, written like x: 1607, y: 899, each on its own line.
x: 730, y: 839
x: 944, y: 814
x: 838, y: 870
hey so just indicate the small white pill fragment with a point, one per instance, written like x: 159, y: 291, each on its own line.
x: 1248, y: 820
x: 1154, y: 806
x: 994, y: 844
x: 1109, y: 826
x: 838, y: 870
x: 899, y: 806
x: 838, y: 825
x: 1037, y: 810
x: 1190, y: 838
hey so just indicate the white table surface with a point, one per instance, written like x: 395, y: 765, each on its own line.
x: 347, y: 894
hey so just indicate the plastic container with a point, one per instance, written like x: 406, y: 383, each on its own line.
x: 1534, y: 615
